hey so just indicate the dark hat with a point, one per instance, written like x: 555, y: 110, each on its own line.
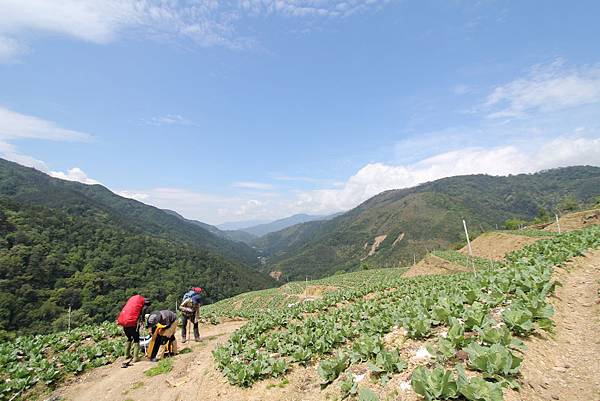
x: 153, y: 319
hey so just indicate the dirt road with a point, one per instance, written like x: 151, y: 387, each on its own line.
x: 566, y: 366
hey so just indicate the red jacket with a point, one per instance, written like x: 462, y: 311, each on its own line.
x: 131, y: 311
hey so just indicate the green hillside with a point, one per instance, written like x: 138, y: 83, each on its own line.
x: 28, y: 186
x: 93, y: 249
x: 420, y: 219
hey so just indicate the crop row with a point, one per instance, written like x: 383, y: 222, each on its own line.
x: 488, y: 307
x: 472, y: 262
x: 46, y: 359
x: 254, y: 304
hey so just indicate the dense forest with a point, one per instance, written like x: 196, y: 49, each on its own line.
x: 31, y: 187
x: 81, y: 254
x: 55, y: 258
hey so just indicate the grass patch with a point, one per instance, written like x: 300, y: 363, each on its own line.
x: 185, y: 351
x: 162, y: 367
x: 281, y: 384
x: 531, y: 232
x: 137, y: 385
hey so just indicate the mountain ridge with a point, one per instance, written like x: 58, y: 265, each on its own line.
x: 397, y: 226
x: 30, y: 185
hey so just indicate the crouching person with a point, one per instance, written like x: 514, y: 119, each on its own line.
x: 162, y: 326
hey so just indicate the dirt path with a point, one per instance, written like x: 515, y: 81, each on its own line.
x: 115, y: 383
x: 194, y: 378
x: 567, y: 365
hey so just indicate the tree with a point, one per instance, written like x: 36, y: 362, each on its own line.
x: 514, y: 224
x: 568, y: 204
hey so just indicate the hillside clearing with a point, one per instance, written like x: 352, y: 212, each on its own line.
x: 495, y: 245
x: 575, y: 221
x: 432, y: 264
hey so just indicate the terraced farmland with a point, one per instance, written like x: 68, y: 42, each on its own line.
x: 373, y: 334
x: 469, y: 327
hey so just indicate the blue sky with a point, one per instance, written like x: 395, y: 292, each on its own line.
x: 255, y: 109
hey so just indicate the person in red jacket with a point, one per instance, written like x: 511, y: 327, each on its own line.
x: 131, y: 319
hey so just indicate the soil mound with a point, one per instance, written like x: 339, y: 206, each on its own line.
x: 494, y: 245
x: 576, y: 221
x: 432, y: 264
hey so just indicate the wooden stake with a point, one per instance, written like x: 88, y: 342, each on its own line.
x: 468, y: 240
x: 557, y: 223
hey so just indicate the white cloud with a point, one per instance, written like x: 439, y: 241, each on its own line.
x: 547, y: 88
x: 377, y: 177
x: 194, y: 204
x: 310, y: 8
x: 252, y: 185
x: 15, y: 125
x: 10, y: 49
x: 74, y: 174
x: 9, y: 152
x: 461, y: 90
x: 138, y: 196
x: 169, y: 119
x: 204, y: 22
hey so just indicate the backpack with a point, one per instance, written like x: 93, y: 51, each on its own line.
x: 131, y: 311
x: 188, y: 295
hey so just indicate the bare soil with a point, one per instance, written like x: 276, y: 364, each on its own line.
x: 566, y: 365
x: 318, y: 290
x: 494, y: 245
x: 376, y: 243
x: 576, y: 221
x: 432, y: 264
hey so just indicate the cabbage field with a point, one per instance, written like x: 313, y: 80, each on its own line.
x: 483, y: 315
x: 44, y: 360
x: 471, y: 325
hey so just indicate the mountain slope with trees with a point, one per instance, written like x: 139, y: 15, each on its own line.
x: 398, y: 226
x: 28, y: 186
x: 64, y: 244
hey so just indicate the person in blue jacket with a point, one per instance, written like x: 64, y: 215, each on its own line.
x: 190, y: 311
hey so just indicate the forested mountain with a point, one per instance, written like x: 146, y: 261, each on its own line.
x: 396, y: 226
x: 67, y: 244
x: 28, y: 186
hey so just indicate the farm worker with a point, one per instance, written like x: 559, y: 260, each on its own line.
x: 162, y: 325
x: 190, y: 309
x: 131, y: 319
